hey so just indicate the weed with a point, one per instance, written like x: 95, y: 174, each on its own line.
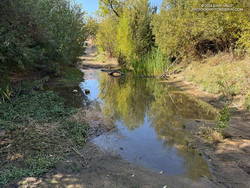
x: 40, y: 106
x: 41, y: 133
x: 5, y: 94
x: 223, y: 118
x: 247, y: 101
x: 40, y: 164
x: 75, y: 131
x: 34, y: 166
x: 12, y: 173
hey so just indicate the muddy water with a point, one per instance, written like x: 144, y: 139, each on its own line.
x: 150, y: 123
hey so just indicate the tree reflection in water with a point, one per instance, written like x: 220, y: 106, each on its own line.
x: 130, y: 99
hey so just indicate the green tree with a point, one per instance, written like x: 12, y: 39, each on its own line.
x: 40, y: 33
x: 180, y: 30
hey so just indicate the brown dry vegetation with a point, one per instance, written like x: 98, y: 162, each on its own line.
x: 222, y: 74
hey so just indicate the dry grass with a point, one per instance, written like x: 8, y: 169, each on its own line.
x: 211, y: 135
x: 221, y: 74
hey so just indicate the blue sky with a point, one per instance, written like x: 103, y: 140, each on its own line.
x: 91, y: 5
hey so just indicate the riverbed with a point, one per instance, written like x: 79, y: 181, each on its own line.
x: 149, y: 119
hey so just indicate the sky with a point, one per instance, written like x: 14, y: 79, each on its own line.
x: 92, y: 5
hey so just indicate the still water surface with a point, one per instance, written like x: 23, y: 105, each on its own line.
x: 149, y: 118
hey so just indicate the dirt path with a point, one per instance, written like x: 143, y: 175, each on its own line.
x: 230, y: 158
x: 91, y: 60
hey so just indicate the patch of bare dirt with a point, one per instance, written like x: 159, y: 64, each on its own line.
x: 108, y: 171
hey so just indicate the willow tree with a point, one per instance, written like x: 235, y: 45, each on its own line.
x: 134, y: 36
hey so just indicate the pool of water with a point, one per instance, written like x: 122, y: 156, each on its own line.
x: 149, y: 118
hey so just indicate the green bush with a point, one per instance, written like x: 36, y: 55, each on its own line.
x: 182, y: 31
x: 127, y: 35
x: 40, y: 33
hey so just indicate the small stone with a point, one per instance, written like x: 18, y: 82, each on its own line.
x: 121, y: 148
x: 132, y: 175
x: 86, y: 91
x: 165, y: 186
x: 75, y: 91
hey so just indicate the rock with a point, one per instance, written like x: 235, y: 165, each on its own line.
x: 75, y: 91
x: 87, y: 92
x: 115, y: 73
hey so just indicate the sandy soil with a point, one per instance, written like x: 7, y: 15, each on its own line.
x: 104, y: 170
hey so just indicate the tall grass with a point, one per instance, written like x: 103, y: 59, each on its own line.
x: 152, y: 64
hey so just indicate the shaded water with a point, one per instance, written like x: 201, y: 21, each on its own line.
x: 149, y: 118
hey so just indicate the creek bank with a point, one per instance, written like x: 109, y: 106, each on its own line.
x: 39, y: 127
x: 228, y: 156
x: 93, y: 167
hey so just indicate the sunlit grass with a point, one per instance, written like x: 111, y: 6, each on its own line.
x: 221, y: 74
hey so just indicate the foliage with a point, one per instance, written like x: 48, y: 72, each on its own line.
x: 40, y: 33
x: 182, y: 29
x: 247, y: 101
x: 75, y: 131
x: 110, y: 7
x: 223, y: 118
x: 41, y: 132
x: 135, y: 28
x: 91, y: 27
x: 42, y: 107
x: 152, y: 64
x: 127, y: 35
x: 70, y: 76
x: 106, y: 36
x: 244, y: 39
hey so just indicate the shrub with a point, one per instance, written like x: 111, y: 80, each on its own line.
x: 40, y: 33
x: 182, y: 31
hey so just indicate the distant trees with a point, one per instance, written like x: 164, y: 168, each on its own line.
x: 182, y: 28
x: 40, y: 33
x: 186, y: 28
